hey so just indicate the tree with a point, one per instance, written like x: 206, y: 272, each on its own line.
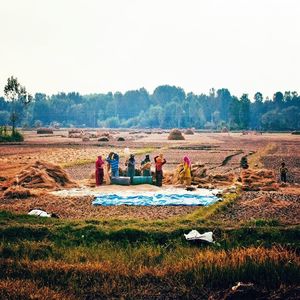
x: 18, y: 97
x: 244, y: 112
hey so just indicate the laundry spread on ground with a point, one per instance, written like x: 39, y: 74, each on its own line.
x: 150, y: 199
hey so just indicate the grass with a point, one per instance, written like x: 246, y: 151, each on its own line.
x: 113, y: 258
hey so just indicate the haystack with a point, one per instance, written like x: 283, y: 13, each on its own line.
x: 176, y: 177
x: 189, y: 132
x: 225, y: 130
x: 43, y: 175
x: 75, y: 133
x: 199, y: 177
x: 42, y: 130
x: 17, y: 191
x: 175, y: 134
x: 103, y: 139
x: 85, y: 139
x: 258, y: 180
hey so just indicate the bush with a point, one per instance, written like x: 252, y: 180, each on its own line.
x: 13, y: 137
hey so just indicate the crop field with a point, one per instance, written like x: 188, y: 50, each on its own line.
x: 139, y: 252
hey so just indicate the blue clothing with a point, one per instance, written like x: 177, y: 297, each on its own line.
x: 115, y: 173
x: 114, y: 164
x: 131, y: 169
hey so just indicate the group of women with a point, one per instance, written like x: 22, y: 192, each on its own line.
x: 111, y: 165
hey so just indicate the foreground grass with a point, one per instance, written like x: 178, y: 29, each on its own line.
x: 60, y: 259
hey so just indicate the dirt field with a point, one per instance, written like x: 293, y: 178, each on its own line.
x: 219, y: 152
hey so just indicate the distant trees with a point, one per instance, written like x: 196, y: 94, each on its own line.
x: 168, y: 107
x: 18, y: 98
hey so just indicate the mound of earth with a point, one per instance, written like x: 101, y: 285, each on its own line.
x: 258, y: 180
x: 42, y: 175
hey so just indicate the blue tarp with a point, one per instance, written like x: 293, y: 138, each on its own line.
x: 156, y: 199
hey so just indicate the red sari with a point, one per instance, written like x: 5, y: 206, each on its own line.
x: 99, y: 171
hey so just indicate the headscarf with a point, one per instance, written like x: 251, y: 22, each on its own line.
x: 100, y: 160
x: 187, y: 160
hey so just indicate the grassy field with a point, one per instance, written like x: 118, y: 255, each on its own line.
x: 143, y: 259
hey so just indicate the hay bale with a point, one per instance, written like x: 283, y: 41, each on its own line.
x: 189, y: 132
x: 43, y: 130
x: 103, y: 139
x: 43, y: 175
x: 17, y: 191
x: 175, y: 135
x: 295, y: 132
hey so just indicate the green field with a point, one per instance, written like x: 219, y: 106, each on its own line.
x: 134, y: 259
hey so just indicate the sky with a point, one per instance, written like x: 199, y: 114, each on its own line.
x: 97, y: 46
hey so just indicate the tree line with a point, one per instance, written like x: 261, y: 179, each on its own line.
x: 167, y: 107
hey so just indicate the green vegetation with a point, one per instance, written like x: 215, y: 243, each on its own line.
x: 136, y: 259
x: 10, y: 136
x: 167, y: 107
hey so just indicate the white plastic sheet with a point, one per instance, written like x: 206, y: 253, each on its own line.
x: 195, y: 235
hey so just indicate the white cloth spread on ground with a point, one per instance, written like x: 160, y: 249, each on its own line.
x: 195, y: 235
x: 39, y: 213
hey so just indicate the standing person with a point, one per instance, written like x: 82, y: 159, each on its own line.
x: 131, y: 167
x: 108, y: 159
x: 283, y: 171
x: 146, y: 166
x: 159, y: 162
x: 113, y: 160
x: 187, y: 171
x: 99, y: 170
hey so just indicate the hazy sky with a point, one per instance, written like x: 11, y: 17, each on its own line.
x: 94, y: 46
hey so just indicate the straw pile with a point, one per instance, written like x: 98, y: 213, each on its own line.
x: 258, y: 180
x: 189, y: 132
x: 43, y: 175
x: 75, y: 133
x: 175, y: 134
x: 44, y: 131
x: 199, y: 177
x: 17, y: 191
x: 176, y: 177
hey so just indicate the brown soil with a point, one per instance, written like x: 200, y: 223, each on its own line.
x: 263, y: 205
x: 208, y: 150
x: 82, y: 208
